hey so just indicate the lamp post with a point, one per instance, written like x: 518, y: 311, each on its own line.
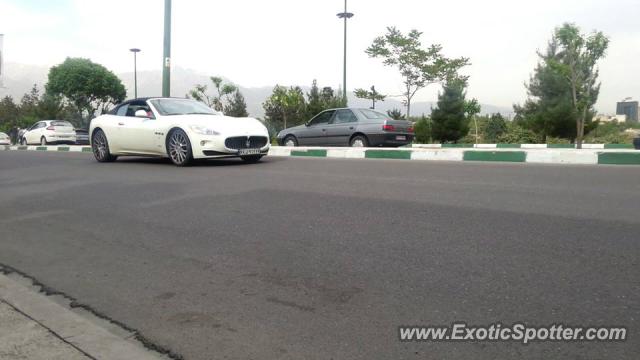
x: 345, y: 15
x: 135, y: 52
x: 166, y: 63
x: 373, y: 96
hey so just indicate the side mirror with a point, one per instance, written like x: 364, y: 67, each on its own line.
x: 142, y: 114
x: 307, y: 124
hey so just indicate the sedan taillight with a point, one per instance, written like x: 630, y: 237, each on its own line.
x: 386, y: 127
x: 410, y: 129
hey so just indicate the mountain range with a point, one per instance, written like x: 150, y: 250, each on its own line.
x: 19, y: 79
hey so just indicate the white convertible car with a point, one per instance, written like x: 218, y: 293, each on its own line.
x: 180, y: 129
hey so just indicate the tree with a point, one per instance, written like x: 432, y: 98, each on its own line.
x: 372, y: 95
x: 449, y: 119
x: 422, y: 130
x: 579, y: 55
x: 88, y: 86
x: 315, y: 103
x: 9, y: 113
x: 549, y: 110
x: 418, y: 67
x: 471, y: 109
x: 496, y: 126
x: 237, y: 107
x: 330, y: 100
x: 395, y: 114
x: 225, y: 92
x: 285, y: 107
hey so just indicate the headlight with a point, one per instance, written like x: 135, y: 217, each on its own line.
x: 203, y: 130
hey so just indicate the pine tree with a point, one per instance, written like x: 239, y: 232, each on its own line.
x: 449, y: 119
x: 314, y: 101
x: 548, y: 111
x: 237, y: 107
x: 496, y: 126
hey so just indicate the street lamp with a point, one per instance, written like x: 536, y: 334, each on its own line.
x: 135, y: 52
x: 345, y: 15
x: 166, y: 60
x: 373, y: 96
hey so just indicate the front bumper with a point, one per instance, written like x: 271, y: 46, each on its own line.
x: 209, y: 147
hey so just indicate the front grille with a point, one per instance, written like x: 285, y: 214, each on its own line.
x: 246, y: 142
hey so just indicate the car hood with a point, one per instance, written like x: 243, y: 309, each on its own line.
x: 222, y: 124
x: 292, y: 129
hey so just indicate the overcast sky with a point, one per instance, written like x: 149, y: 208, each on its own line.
x: 258, y: 43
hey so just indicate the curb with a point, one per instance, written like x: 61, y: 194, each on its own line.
x: 526, y: 153
x: 534, y: 156
x: 81, y: 333
x: 522, y: 146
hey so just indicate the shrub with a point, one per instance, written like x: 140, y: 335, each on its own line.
x: 557, y: 140
x: 422, y: 130
x: 516, y: 134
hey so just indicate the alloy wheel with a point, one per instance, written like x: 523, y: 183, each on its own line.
x: 358, y: 143
x: 99, y: 145
x: 178, y: 147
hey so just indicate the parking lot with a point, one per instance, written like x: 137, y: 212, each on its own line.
x: 325, y: 258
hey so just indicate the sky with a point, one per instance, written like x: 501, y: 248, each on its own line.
x: 291, y: 42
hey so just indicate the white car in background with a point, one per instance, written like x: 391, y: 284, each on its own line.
x: 180, y: 129
x: 49, y: 132
x: 4, y: 139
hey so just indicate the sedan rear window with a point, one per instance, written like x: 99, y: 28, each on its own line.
x: 370, y: 114
x: 61, y: 123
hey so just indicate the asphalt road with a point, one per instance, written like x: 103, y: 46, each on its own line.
x: 324, y: 259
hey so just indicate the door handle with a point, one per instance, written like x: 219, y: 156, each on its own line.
x: 324, y: 129
x: 350, y: 127
x: 120, y: 123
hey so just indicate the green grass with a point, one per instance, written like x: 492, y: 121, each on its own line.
x: 457, y: 145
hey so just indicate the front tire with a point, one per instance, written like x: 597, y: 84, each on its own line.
x: 100, y: 147
x: 290, y: 141
x: 43, y: 141
x: 179, y: 148
x: 252, y: 159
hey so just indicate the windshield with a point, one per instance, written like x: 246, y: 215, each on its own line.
x: 167, y: 107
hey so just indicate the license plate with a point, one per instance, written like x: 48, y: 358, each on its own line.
x: 401, y: 137
x: 249, y: 152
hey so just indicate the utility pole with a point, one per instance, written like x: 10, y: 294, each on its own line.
x: 373, y: 96
x: 345, y: 15
x: 135, y: 51
x: 166, y: 66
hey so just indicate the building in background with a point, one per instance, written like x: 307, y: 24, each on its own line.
x: 628, y: 109
x: 610, y: 118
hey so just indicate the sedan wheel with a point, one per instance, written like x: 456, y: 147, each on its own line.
x: 100, y: 147
x: 290, y: 141
x: 43, y: 141
x: 179, y: 148
x: 359, y: 141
